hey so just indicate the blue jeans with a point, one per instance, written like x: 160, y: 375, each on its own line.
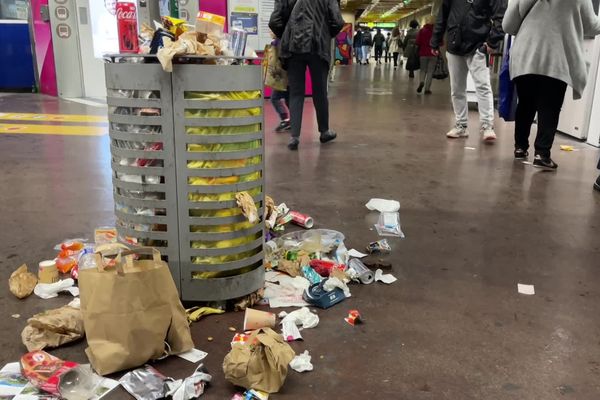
x: 280, y: 101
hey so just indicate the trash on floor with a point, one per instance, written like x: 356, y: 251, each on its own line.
x: 256, y: 319
x: 246, y: 203
x: 251, y: 395
x: 353, y: 317
x: 565, y: 147
x: 282, y: 290
x: 356, y: 254
x: 51, y: 290
x: 191, y: 387
x: 105, y: 235
x: 195, y: 313
x: 144, y: 383
x: 260, y: 363
x: 22, y: 282
x: 324, y: 267
x: 380, y: 246
x: 316, y: 295
x: 311, y: 275
x: 526, y: 289
x: 382, y: 205
x: 302, y: 220
x: 389, y: 225
x: 65, y: 379
x: 302, y: 317
x: 249, y: 300
x: 53, y: 328
x: 47, y: 272
x: 332, y: 283
x: 385, y: 278
x: 193, y: 355
x: 301, y: 363
x: 357, y: 270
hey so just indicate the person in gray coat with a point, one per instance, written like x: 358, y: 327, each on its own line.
x: 547, y: 55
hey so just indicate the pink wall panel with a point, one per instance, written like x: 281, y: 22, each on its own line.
x: 44, y: 53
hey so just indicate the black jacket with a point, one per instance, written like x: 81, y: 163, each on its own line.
x: 378, y: 40
x: 357, y: 39
x: 474, y: 22
x: 367, y: 40
x: 306, y: 26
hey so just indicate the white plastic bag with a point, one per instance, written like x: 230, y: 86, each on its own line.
x: 301, y: 363
x: 389, y: 225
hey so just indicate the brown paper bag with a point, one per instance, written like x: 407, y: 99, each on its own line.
x: 53, y: 328
x: 22, y: 282
x: 130, y: 312
x: 261, y: 363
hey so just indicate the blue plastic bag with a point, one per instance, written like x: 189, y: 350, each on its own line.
x: 507, y: 99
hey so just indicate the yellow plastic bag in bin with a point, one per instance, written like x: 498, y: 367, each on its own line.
x: 223, y: 147
x: 199, y: 197
x: 215, y: 96
x: 227, y: 212
x: 227, y: 180
x: 223, y: 113
x: 213, y: 164
x: 221, y: 228
x: 222, y: 130
x: 224, y: 244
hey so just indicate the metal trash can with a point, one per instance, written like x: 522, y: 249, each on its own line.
x: 219, y: 148
x: 183, y: 144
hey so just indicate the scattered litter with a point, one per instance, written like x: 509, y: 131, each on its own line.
x: 51, y: 290
x: 144, y: 383
x: 241, y: 338
x: 75, y: 303
x: 16, y: 316
x: 564, y: 147
x: 318, y: 296
x: 210, y: 338
x: 290, y: 331
x: 382, y: 205
x: 11, y: 381
x: 53, y: 328
x: 333, y: 283
x: 324, y: 268
x: 254, y: 395
x: 389, y: 225
x: 249, y: 300
x: 232, y: 329
x: 385, y: 278
x: 195, y: 313
x: 303, y: 220
x: 381, y: 246
x: 470, y: 148
x: 105, y: 235
x: 341, y: 275
x: 191, y: 387
x: 256, y: 319
x: 353, y: 317
x: 262, y: 366
x: 311, y: 275
x: 301, y: 363
x: 284, y: 291
x: 292, y: 268
x: 246, y: 203
x: 193, y: 356
x: 356, y: 254
x: 359, y: 271
x: 527, y: 162
x: 526, y: 289
x: 47, y: 272
x: 22, y: 282
x: 302, y: 317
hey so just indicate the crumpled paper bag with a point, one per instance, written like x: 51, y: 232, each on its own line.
x: 171, y: 49
x: 246, y: 203
x: 22, y: 282
x: 53, y: 328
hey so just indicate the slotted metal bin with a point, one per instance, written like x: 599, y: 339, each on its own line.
x: 183, y: 144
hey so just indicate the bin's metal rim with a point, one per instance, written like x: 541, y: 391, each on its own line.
x: 246, y: 262
x: 145, y: 154
x: 214, y: 189
x: 219, y: 139
x: 215, y: 236
x: 225, y: 155
x: 140, y: 137
x: 218, y: 205
x: 212, y: 122
x: 108, y: 58
x: 203, y: 289
x: 131, y: 102
x: 145, y: 219
x: 137, y: 119
x: 141, y: 187
x: 221, y: 104
x: 133, y: 202
x: 149, y: 235
x: 212, y: 221
x: 137, y: 170
x: 222, y: 172
x: 227, y: 251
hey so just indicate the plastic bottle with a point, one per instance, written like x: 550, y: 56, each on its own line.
x: 87, y: 259
x: 78, y: 383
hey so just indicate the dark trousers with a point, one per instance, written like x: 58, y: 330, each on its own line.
x: 387, y: 56
x: 378, y: 53
x: 319, y: 70
x: 542, y: 95
x: 395, y: 57
x: 281, y: 103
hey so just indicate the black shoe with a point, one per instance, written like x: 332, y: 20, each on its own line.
x: 421, y: 86
x: 597, y: 184
x: 328, y: 136
x: 293, y: 144
x: 283, y: 126
x: 428, y: 92
x: 521, y: 154
x: 411, y: 74
x: 544, y: 163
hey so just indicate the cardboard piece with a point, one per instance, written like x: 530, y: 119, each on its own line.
x: 22, y: 282
x: 130, y: 312
x: 261, y: 363
x: 53, y: 328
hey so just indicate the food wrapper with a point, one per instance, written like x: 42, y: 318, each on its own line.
x: 144, y: 383
x: 53, y: 328
x: 246, y: 203
x: 22, y: 282
x: 292, y: 268
x: 174, y: 25
x: 210, y: 24
x: 171, y: 49
x: 191, y: 387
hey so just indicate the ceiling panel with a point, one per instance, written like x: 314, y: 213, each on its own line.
x: 386, y: 10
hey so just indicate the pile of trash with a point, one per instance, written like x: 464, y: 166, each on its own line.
x: 304, y: 268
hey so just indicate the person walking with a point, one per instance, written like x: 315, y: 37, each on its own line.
x: 357, y: 45
x: 290, y: 21
x: 411, y: 52
x: 378, y: 42
x: 426, y: 56
x: 396, y: 46
x: 472, y: 29
x: 546, y: 56
x: 388, y: 42
x: 367, y: 42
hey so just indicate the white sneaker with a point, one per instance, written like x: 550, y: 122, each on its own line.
x: 488, y: 133
x: 459, y: 131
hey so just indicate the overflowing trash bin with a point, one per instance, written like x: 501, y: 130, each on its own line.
x: 183, y: 144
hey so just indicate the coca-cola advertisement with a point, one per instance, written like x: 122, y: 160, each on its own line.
x: 127, y: 28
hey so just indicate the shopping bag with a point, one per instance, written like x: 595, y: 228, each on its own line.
x: 275, y: 76
x: 53, y: 328
x: 260, y: 363
x: 132, y: 313
x: 440, y: 71
x: 507, y: 95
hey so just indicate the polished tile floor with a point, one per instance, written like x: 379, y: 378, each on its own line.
x: 477, y: 223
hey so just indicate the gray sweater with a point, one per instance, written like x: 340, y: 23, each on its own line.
x: 549, y: 39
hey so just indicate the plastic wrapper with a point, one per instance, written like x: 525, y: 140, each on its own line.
x: 389, y: 225
x: 141, y: 195
x: 221, y: 228
x: 381, y: 246
x: 144, y: 383
x: 191, y: 387
x: 224, y: 96
x: 220, y: 164
x: 301, y: 363
x: 222, y: 130
x: 224, y: 244
x: 229, y: 196
x: 175, y: 26
x: 226, y: 212
x: 225, y: 180
x: 223, y: 113
x: 224, y: 147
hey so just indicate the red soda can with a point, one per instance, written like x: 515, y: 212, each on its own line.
x: 302, y: 220
x: 127, y: 28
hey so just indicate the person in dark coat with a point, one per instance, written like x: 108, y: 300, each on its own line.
x: 306, y: 28
x: 367, y: 42
x: 411, y: 50
x: 357, y: 44
x: 378, y: 42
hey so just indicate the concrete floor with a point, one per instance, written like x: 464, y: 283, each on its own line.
x: 477, y: 223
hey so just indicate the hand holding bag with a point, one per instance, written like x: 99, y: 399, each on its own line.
x: 440, y: 71
x: 132, y: 313
x: 275, y: 76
